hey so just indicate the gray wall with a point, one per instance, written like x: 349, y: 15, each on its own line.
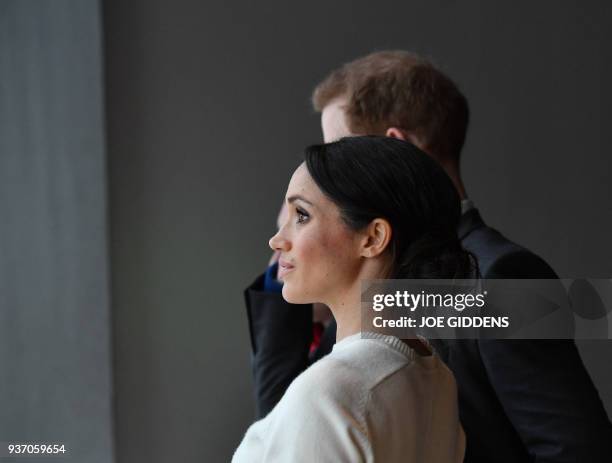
x: 208, y: 110
x: 54, y: 304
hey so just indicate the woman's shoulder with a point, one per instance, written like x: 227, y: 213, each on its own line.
x: 354, y: 368
x: 331, y: 377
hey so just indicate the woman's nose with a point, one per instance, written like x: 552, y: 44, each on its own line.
x: 279, y: 243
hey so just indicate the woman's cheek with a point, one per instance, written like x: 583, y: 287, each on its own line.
x: 315, y: 256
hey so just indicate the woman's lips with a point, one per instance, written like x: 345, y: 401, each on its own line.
x: 283, y: 268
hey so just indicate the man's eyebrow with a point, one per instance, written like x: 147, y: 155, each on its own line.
x: 294, y: 198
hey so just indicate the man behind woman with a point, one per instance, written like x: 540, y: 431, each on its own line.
x: 519, y: 401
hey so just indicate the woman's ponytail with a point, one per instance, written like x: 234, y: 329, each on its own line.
x: 435, y: 256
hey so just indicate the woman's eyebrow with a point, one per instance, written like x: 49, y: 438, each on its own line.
x: 294, y: 198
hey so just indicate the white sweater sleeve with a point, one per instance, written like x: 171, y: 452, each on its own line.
x: 316, y: 421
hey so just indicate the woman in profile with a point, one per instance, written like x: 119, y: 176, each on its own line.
x: 365, y: 208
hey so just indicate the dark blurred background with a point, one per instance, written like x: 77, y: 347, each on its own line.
x: 145, y: 147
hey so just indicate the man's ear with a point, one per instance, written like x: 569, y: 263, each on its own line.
x: 377, y: 238
x: 394, y: 132
x: 406, y: 135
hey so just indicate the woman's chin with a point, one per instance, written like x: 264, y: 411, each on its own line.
x: 293, y: 296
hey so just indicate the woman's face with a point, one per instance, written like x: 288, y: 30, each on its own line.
x: 319, y: 255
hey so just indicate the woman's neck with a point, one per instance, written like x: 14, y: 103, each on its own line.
x: 346, y: 307
x: 346, y: 310
x: 346, y: 329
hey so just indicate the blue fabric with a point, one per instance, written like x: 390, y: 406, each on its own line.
x: 271, y: 284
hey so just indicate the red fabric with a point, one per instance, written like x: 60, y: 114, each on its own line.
x: 317, y: 334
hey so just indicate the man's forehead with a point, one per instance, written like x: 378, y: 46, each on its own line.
x: 335, y: 108
x: 333, y: 120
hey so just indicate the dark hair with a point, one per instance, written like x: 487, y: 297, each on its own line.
x: 380, y: 177
x: 399, y: 89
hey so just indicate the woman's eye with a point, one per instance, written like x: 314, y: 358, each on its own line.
x: 302, y: 216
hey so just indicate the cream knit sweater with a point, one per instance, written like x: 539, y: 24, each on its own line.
x: 372, y: 399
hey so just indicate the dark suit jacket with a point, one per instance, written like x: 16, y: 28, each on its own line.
x: 519, y: 400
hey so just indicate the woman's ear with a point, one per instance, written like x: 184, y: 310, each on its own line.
x: 377, y: 238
